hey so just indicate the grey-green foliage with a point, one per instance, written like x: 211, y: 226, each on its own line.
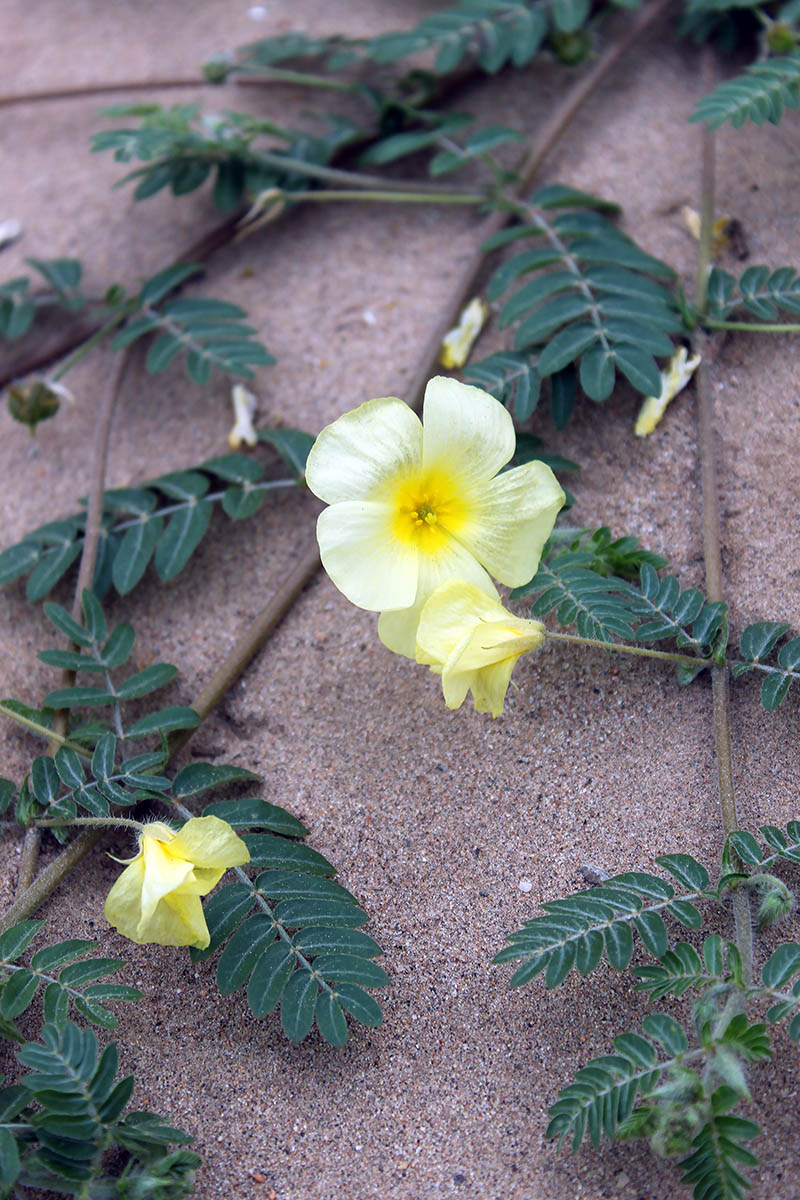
x: 761, y: 291
x: 578, y: 931
x: 578, y: 586
x: 511, y: 377
x: 592, y: 299
x: 682, y: 968
x: 439, y: 134
x: 760, y: 94
x: 19, y: 304
x: 209, y: 334
x: 182, y: 149
x: 63, y: 974
x: 757, y: 644
x: 682, y: 1103
x: 292, y: 935
x: 491, y: 33
x: 163, y: 520
x: 68, y: 1110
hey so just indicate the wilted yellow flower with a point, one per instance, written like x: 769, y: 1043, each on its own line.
x: 674, y: 379
x: 244, y: 409
x: 413, y: 507
x: 457, y: 342
x: 157, y: 896
x: 474, y: 643
x: 726, y: 232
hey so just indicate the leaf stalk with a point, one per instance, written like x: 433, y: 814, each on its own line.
x: 665, y: 656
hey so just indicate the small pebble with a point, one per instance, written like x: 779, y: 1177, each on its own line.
x: 9, y: 231
x: 525, y: 885
x: 592, y: 874
x: 257, y: 12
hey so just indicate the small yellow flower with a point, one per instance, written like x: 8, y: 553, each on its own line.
x: 474, y: 643
x: 412, y: 506
x: 673, y: 380
x: 457, y: 342
x: 157, y: 896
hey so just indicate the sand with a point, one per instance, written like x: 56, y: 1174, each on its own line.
x: 433, y: 818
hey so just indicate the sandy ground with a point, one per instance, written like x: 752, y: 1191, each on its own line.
x: 433, y: 818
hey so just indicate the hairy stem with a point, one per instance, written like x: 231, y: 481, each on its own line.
x: 37, y: 728
x: 749, y: 326
x: 108, y: 822
x: 91, y: 538
x: 387, y: 197
x: 80, y: 91
x: 85, y: 347
x: 681, y: 659
x: 712, y: 553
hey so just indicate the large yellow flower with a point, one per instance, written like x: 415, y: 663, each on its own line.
x: 157, y: 896
x: 413, y: 504
x: 474, y: 643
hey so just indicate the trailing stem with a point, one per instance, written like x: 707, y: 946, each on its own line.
x: 94, y: 516
x: 712, y: 553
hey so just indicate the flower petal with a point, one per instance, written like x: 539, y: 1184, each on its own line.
x: 353, y: 458
x: 488, y: 686
x: 182, y: 916
x: 123, y: 908
x: 510, y: 520
x: 177, y: 920
x: 163, y: 872
x: 364, y: 558
x: 398, y: 630
x: 466, y: 431
x: 209, y: 842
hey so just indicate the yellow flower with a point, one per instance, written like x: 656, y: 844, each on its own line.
x: 474, y: 643
x: 157, y: 896
x: 411, y: 507
x: 674, y: 379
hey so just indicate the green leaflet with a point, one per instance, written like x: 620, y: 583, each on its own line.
x: 758, y: 95
x: 580, y: 585
x: 78, y: 1115
x: 592, y: 301
x: 758, y: 643
x: 241, y: 154
x: 163, y: 520
x: 761, y: 291
x: 19, y: 306
x: 64, y: 975
x: 576, y: 931
x: 291, y: 937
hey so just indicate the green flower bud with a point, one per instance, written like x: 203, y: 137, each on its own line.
x: 781, y: 38
x: 571, y: 49
x: 32, y: 403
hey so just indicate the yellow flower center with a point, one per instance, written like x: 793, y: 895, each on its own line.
x: 427, y: 508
